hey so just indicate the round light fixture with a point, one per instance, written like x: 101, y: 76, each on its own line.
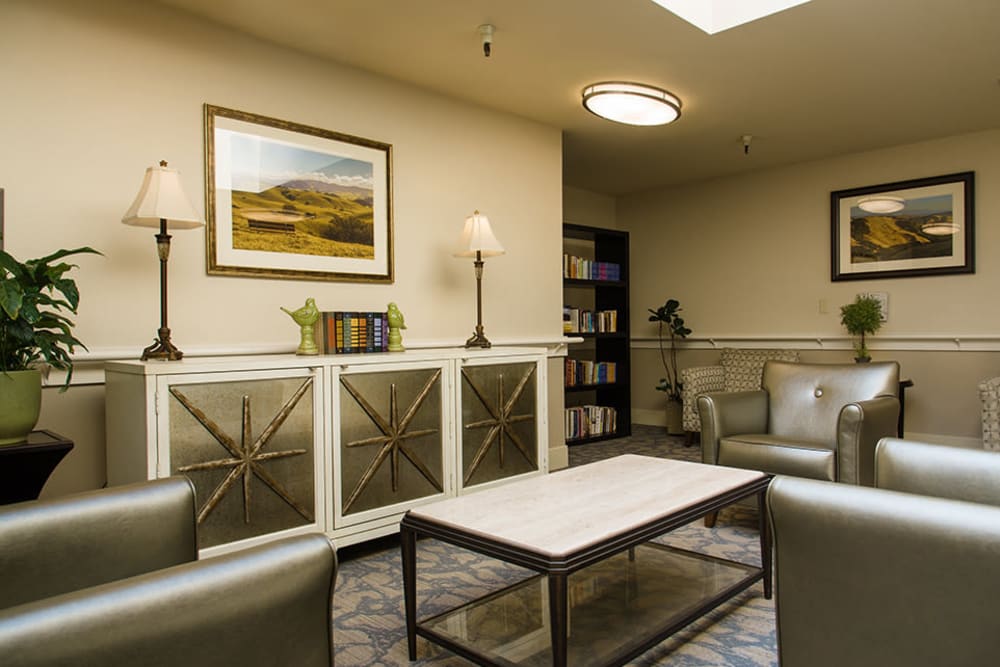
x: 939, y: 228
x: 881, y: 204
x: 631, y: 103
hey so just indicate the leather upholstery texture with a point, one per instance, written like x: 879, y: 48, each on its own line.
x: 810, y: 420
x: 874, y: 577
x: 268, y: 606
x: 48, y: 547
x: 937, y: 470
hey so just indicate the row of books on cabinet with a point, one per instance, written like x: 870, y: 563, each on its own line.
x: 353, y: 332
x: 586, y: 321
x: 581, y: 371
x: 588, y: 269
x: 587, y: 421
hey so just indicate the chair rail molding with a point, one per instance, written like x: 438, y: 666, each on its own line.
x: 922, y: 342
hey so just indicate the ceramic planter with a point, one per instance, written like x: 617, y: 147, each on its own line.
x: 21, y: 398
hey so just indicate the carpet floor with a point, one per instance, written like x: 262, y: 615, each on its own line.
x: 369, y: 622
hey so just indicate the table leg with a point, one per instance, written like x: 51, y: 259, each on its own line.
x: 408, y: 549
x: 765, y: 544
x: 557, y: 617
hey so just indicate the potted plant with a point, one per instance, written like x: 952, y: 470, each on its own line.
x: 860, y: 318
x: 35, y: 330
x: 670, y: 328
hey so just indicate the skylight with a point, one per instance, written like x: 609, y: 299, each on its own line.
x: 714, y: 16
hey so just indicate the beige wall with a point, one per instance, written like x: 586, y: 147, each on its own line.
x: 96, y: 92
x: 749, y: 259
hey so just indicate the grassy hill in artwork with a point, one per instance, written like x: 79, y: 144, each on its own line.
x: 332, y: 224
x: 878, y: 238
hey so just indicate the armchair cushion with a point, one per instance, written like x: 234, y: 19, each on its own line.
x: 780, y: 456
x: 49, y: 547
x: 268, y: 606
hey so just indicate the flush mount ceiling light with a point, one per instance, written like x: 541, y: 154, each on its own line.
x: 631, y: 103
x: 881, y: 204
x: 714, y: 16
x: 939, y: 228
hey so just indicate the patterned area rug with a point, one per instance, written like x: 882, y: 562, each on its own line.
x: 369, y: 623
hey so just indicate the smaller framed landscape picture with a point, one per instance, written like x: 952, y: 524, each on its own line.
x: 910, y: 228
x: 292, y: 201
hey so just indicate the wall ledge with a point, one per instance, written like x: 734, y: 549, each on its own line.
x: 928, y: 342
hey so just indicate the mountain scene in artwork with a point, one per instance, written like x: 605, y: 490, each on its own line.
x: 291, y: 199
x: 902, y: 235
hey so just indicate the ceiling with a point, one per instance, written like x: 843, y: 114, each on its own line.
x: 825, y: 78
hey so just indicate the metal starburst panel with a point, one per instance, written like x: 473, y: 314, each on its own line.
x: 499, y: 408
x: 391, y: 438
x: 248, y: 448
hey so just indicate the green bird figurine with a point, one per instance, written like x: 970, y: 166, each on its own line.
x: 395, y: 324
x: 306, y: 317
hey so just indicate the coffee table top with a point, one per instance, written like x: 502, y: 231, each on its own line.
x: 569, y: 510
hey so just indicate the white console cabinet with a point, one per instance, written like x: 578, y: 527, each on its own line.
x: 282, y: 444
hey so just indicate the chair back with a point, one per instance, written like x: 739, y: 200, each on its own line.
x: 49, y: 547
x: 805, y: 400
x: 972, y: 475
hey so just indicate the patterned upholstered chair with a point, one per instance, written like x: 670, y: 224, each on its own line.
x: 989, y: 394
x: 737, y: 370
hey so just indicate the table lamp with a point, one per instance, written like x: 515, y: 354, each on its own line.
x: 161, y: 200
x: 478, y: 241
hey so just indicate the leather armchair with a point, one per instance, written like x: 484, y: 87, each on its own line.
x: 112, y: 578
x: 909, y: 573
x: 737, y: 370
x: 809, y: 420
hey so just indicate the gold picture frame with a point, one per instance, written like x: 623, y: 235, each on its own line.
x: 286, y: 200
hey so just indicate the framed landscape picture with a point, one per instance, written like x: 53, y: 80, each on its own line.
x: 291, y: 201
x: 910, y: 228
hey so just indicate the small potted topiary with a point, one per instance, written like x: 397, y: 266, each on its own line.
x: 860, y: 318
x: 35, y: 330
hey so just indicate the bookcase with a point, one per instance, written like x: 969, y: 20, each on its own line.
x: 597, y: 373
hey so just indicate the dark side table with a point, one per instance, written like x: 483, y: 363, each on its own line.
x: 25, y: 468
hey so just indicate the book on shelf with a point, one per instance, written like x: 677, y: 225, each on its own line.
x: 576, y: 320
x: 584, y: 372
x: 588, y: 421
x: 588, y: 269
x: 354, y: 332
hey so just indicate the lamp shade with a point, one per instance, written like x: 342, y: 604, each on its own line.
x: 477, y: 236
x: 162, y: 197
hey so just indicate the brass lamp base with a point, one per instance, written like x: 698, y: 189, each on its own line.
x: 162, y: 348
x: 478, y: 339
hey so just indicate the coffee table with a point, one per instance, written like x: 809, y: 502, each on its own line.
x: 604, y: 593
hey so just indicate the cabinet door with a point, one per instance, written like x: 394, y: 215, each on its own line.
x: 391, y: 435
x: 248, y: 442
x: 502, y: 408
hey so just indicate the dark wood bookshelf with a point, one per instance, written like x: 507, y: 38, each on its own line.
x: 601, y: 245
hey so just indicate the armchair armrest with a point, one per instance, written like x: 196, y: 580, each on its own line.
x: 259, y: 607
x: 729, y: 413
x: 55, y: 546
x: 859, y: 428
x: 695, y: 381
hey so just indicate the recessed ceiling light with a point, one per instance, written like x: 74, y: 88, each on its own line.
x: 714, y: 16
x: 881, y: 204
x: 631, y: 103
x: 939, y: 228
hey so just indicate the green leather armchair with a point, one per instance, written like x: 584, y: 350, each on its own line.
x: 820, y: 421
x: 111, y: 578
x: 905, y: 574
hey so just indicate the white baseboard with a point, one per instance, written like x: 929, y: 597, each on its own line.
x: 649, y: 417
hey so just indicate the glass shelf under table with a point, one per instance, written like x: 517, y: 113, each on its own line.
x: 617, y: 608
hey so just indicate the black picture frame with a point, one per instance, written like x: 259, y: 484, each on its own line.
x: 931, y: 233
